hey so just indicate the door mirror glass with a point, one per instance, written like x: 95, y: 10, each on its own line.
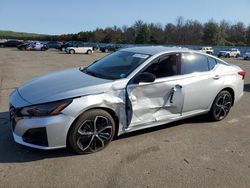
x: 145, y: 77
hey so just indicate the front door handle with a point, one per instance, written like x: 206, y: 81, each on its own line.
x: 174, y: 90
x: 216, y: 77
x: 178, y: 86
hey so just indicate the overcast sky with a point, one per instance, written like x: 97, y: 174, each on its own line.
x: 72, y: 16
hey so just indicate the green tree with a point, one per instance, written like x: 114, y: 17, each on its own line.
x: 211, y: 33
x: 143, y: 35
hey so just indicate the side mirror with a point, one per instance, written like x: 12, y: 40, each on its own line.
x: 145, y: 77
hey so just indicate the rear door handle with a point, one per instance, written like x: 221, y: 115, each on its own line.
x: 216, y: 77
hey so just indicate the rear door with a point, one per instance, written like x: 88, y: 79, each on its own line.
x: 202, y: 83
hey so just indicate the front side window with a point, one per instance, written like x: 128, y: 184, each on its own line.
x: 117, y: 65
x: 164, y: 66
x: 191, y: 62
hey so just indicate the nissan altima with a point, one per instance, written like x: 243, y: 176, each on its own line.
x: 131, y: 89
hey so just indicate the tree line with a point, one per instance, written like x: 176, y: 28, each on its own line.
x: 182, y: 32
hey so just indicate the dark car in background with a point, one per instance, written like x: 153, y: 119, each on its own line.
x: 53, y: 44
x: 36, y: 46
x: 109, y: 48
x: 10, y: 43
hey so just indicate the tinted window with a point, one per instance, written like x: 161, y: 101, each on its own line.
x: 191, y: 62
x: 164, y: 66
x: 212, y: 62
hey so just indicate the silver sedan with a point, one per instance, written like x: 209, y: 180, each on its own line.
x: 128, y: 90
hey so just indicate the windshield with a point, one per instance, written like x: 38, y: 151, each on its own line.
x: 116, y: 65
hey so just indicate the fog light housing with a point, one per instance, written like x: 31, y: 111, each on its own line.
x: 36, y: 136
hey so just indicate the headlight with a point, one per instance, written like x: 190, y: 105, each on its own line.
x: 47, y: 109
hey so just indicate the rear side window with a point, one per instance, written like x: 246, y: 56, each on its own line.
x: 211, y: 62
x: 191, y: 62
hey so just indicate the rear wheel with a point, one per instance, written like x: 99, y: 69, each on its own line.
x: 237, y: 55
x: 89, y: 52
x: 92, y: 132
x: 221, y: 106
x: 72, y: 51
x: 227, y: 55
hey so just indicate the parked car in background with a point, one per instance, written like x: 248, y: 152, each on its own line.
x: 69, y: 44
x: 10, y: 43
x: 109, y: 48
x: 234, y: 52
x: 246, y: 56
x: 208, y: 50
x: 79, y: 49
x: 53, y: 44
x: 37, y: 46
x: 128, y: 90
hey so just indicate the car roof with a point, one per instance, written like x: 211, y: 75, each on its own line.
x: 153, y: 50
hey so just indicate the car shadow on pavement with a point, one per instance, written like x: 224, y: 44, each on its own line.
x: 11, y: 152
x: 247, y: 87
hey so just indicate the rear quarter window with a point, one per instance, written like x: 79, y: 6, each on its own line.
x: 211, y: 62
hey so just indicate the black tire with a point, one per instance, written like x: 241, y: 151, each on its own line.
x: 43, y: 49
x: 2, y: 46
x: 89, y: 52
x: 72, y: 51
x: 227, y: 55
x: 23, y: 48
x: 237, y: 55
x: 221, y: 106
x: 82, y: 137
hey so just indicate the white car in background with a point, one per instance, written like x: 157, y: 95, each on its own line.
x: 81, y: 49
x: 234, y: 52
x: 246, y: 55
x: 208, y: 50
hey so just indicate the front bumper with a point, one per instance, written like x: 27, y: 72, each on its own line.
x: 47, y: 132
x: 53, y: 131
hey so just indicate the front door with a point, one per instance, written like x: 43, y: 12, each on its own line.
x: 161, y: 100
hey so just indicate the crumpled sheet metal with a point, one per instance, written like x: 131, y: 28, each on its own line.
x: 153, y: 102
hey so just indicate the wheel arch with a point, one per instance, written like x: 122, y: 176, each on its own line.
x: 109, y: 110
x: 231, y: 91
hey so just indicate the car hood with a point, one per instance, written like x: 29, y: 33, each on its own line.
x: 62, y: 85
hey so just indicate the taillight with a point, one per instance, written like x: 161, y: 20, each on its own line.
x: 242, y: 73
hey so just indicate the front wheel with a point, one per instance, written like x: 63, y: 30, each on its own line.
x: 221, y: 106
x: 92, y: 132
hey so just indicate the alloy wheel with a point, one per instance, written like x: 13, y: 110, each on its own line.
x: 93, y: 135
x: 222, y: 106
